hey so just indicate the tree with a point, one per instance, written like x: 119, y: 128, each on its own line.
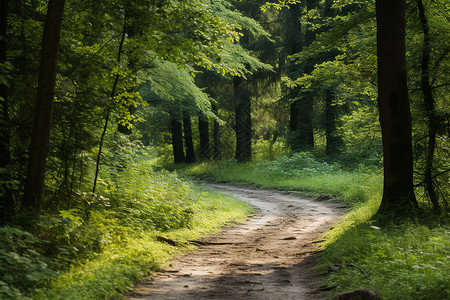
x: 203, y: 128
x: 433, y: 118
x: 6, y: 201
x: 243, y: 119
x: 176, y: 129
x: 395, y: 116
x: 32, y: 198
x: 301, y: 125
x: 187, y: 127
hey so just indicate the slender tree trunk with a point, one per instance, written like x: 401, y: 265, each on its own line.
x: 433, y: 120
x: 187, y: 126
x: 176, y: 129
x: 395, y: 116
x: 108, y: 111
x: 203, y: 128
x: 217, y: 153
x: 32, y: 198
x: 6, y: 199
x: 243, y: 122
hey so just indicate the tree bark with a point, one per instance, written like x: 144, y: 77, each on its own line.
x: 395, y: 116
x: 176, y: 129
x: 32, y: 198
x: 187, y: 126
x: 203, y: 128
x: 433, y: 119
x: 243, y: 122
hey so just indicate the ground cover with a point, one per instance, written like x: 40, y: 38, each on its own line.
x: 111, y: 239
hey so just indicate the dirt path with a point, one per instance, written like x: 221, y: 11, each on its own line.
x: 267, y: 257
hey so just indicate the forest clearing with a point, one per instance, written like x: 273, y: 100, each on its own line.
x: 130, y: 129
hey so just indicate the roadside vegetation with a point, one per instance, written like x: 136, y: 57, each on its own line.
x: 409, y: 260
x: 138, y: 220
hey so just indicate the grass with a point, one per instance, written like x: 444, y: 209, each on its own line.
x: 407, y: 261
x: 410, y: 261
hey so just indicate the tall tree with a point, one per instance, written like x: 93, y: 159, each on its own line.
x: 393, y: 103
x: 243, y: 121
x: 176, y: 129
x: 32, y: 198
x: 433, y: 118
x: 6, y: 201
x: 301, y: 123
x: 217, y: 153
x: 187, y: 127
x: 334, y: 141
x: 203, y: 128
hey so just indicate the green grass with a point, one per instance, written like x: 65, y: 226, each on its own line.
x: 410, y: 261
x: 299, y: 172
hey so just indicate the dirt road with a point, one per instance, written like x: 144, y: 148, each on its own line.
x: 267, y: 257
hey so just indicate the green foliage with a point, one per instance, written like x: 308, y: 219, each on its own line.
x: 410, y: 261
x: 24, y: 268
x: 158, y: 200
x: 107, y: 241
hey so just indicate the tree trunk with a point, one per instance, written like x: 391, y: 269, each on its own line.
x: 6, y: 200
x: 243, y: 122
x: 32, y: 198
x: 395, y: 116
x: 176, y: 129
x: 334, y: 141
x: 433, y: 119
x: 187, y: 126
x: 203, y: 128
x: 108, y: 110
x: 302, y: 133
x: 217, y: 153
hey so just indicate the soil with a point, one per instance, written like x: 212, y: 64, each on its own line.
x: 270, y: 256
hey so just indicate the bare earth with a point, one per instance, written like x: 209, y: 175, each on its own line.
x: 270, y: 256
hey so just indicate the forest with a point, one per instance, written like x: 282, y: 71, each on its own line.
x: 115, y: 113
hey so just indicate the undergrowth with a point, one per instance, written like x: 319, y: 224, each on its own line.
x: 410, y: 261
x: 108, y: 240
